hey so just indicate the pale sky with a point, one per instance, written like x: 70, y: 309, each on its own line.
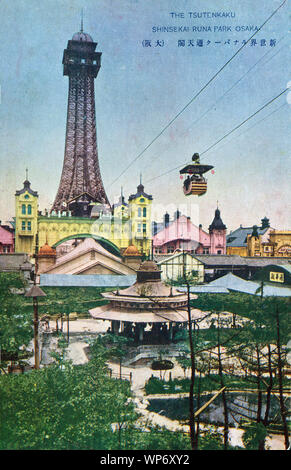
x: 139, y: 90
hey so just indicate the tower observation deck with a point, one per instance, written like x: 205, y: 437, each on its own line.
x: 81, y: 173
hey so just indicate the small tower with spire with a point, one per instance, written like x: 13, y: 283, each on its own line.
x: 217, y: 232
x: 26, y: 212
x: 139, y: 205
x: 120, y: 209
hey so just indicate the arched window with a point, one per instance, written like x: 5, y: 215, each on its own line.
x: 23, y: 209
x: 139, y: 212
x: 144, y: 212
x: 29, y: 209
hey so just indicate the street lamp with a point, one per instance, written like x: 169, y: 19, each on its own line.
x: 35, y: 292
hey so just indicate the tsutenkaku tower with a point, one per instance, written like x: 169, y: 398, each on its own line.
x: 81, y: 173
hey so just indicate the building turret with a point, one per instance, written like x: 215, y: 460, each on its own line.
x: 217, y: 232
x: 139, y: 205
x: 26, y: 212
x: 254, y: 243
x: 265, y: 223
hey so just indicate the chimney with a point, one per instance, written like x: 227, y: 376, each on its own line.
x: 166, y: 220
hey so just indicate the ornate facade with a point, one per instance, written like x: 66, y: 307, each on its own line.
x: 261, y: 240
x: 181, y: 234
x: 124, y: 225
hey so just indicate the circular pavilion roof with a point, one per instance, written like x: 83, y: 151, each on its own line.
x: 149, y: 266
x: 80, y: 36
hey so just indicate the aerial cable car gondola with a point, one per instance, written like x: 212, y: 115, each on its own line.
x: 195, y: 183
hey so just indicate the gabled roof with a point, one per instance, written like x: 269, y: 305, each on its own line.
x: 221, y: 260
x: 162, y: 258
x: 239, y: 236
x: 262, y: 261
x: 88, y: 245
x: 237, y: 260
x: 235, y: 283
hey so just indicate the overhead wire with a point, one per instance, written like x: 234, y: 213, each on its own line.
x: 243, y: 122
x: 226, y: 135
x: 233, y: 86
x: 199, y: 92
x: 256, y: 123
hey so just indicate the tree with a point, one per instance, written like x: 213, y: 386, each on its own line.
x: 116, y: 346
x: 269, y: 325
x: 15, y: 323
x: 64, y: 406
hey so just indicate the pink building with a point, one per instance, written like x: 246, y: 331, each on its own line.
x: 181, y: 234
x: 6, y: 239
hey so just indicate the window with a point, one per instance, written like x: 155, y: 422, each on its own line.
x: 144, y: 227
x: 139, y: 212
x: 26, y: 196
x: 83, y: 61
x: 29, y: 209
x: 23, y: 225
x: 139, y: 227
x: 144, y: 212
x: 23, y: 209
x: 29, y: 225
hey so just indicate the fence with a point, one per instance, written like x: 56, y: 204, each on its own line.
x: 122, y: 376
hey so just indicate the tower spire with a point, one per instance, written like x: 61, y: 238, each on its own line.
x: 82, y: 15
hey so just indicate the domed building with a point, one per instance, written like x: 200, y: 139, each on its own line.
x: 149, y: 311
x: 132, y: 257
x: 46, y: 258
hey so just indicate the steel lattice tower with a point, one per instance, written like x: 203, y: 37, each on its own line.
x: 81, y: 173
